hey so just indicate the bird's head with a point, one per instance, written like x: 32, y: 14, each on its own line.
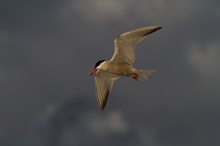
x: 96, y: 65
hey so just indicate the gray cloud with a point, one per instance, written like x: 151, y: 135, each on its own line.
x: 205, y: 59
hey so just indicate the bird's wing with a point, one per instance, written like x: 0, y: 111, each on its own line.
x: 104, y: 82
x: 125, y: 44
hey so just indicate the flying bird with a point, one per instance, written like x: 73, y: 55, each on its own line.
x: 107, y: 71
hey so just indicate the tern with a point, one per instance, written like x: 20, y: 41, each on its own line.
x: 107, y: 71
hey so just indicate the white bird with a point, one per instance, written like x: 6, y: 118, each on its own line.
x: 107, y: 71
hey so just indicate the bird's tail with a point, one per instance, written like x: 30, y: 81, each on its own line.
x: 144, y: 74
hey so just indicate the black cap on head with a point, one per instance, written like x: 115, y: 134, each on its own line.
x: 98, y: 63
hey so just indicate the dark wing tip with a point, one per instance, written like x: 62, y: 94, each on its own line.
x: 103, y: 106
x: 153, y: 30
x: 159, y: 27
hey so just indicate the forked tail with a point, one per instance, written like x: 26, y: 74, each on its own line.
x: 144, y: 74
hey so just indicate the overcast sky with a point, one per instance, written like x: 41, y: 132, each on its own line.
x: 48, y: 49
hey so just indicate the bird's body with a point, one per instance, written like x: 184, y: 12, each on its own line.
x: 120, y: 69
x: 107, y: 71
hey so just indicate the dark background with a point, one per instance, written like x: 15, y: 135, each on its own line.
x: 49, y: 47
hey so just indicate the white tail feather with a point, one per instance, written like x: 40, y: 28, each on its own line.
x: 144, y: 74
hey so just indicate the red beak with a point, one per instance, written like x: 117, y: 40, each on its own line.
x: 93, y: 71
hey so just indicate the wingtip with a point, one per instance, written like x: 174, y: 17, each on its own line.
x: 152, y: 29
x: 157, y: 28
x: 102, y: 108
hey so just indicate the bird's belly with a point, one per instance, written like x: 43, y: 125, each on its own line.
x: 120, y: 69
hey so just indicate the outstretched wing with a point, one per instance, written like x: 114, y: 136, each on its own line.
x: 125, y: 44
x: 104, y: 82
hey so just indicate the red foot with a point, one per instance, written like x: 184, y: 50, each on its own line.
x: 134, y: 75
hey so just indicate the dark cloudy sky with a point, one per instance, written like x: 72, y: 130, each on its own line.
x: 48, y: 49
